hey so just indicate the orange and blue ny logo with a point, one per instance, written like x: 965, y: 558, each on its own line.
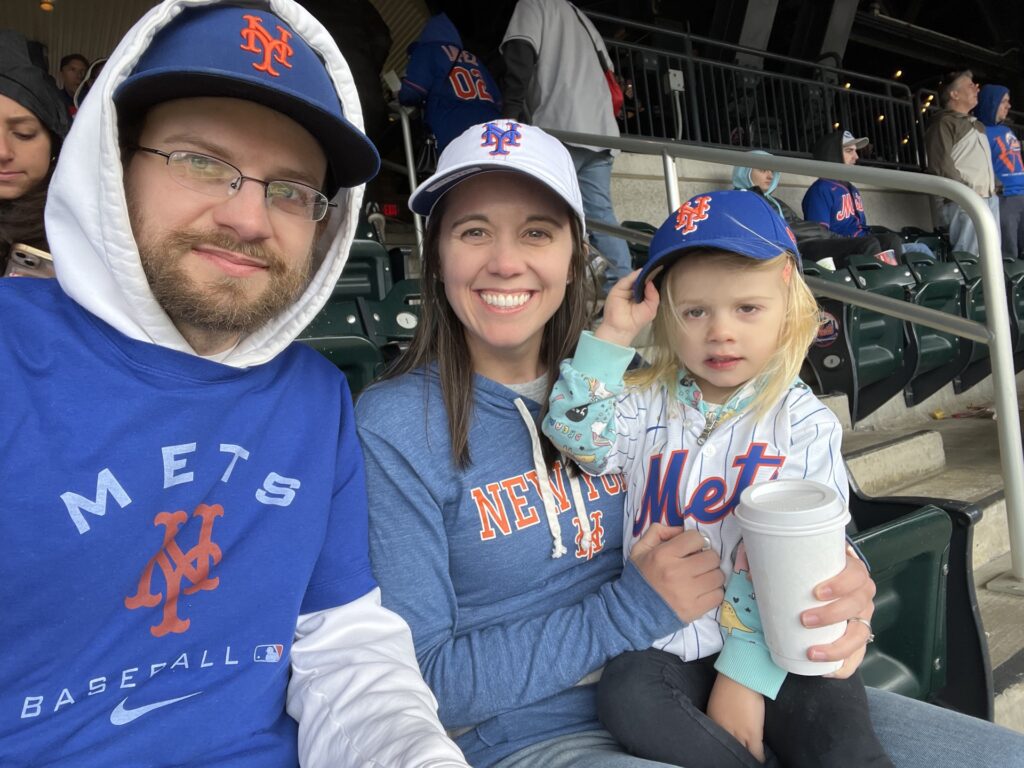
x: 274, y: 50
x: 691, y: 213
x: 176, y: 565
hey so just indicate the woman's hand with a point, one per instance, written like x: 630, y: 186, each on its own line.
x: 679, y: 567
x: 852, y: 593
x: 624, y: 318
x: 740, y: 711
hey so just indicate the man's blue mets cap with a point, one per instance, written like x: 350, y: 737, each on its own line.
x: 249, y: 53
x: 732, y: 220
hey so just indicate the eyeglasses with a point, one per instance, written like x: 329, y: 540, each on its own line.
x: 218, y: 178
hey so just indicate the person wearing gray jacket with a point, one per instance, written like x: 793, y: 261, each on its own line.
x: 958, y: 149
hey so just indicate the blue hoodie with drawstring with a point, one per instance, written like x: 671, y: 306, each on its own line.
x: 1006, y: 159
x: 456, y: 88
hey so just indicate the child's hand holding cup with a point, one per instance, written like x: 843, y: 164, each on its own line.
x: 795, y: 537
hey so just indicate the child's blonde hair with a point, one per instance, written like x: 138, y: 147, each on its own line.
x: 799, y: 328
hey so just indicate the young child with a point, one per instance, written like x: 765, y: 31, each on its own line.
x: 720, y: 408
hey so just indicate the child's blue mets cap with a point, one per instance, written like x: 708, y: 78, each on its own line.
x: 249, y: 53
x: 733, y: 220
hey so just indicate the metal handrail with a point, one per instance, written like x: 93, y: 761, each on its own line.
x: 997, y: 325
x: 841, y: 74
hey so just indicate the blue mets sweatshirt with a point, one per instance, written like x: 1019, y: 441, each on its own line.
x: 1006, y: 159
x: 836, y: 204
x: 510, y: 576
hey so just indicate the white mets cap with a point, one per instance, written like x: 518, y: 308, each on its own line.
x: 502, y: 145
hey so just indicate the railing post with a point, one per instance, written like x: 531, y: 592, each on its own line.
x: 410, y: 164
x: 668, y: 164
x: 691, y: 92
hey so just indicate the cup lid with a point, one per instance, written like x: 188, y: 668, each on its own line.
x: 791, y: 504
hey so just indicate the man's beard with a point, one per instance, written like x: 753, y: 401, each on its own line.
x: 219, y: 305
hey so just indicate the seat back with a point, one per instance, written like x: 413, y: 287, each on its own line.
x: 367, y: 272
x: 355, y: 356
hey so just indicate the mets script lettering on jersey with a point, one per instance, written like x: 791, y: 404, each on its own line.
x: 850, y: 206
x: 691, y: 213
x: 176, y: 565
x: 493, y: 136
x: 709, y: 501
x: 259, y: 40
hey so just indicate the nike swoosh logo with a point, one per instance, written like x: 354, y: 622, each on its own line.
x: 123, y: 716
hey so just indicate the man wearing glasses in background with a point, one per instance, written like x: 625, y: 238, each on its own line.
x: 186, y: 578
x: 958, y: 149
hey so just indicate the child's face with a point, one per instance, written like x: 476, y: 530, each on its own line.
x: 731, y: 321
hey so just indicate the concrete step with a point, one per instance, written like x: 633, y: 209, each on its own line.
x: 883, y: 461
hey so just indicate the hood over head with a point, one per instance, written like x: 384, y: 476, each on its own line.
x: 95, y: 254
x: 24, y: 82
x: 989, y: 98
x: 741, y: 176
x: 829, y: 147
x: 438, y: 30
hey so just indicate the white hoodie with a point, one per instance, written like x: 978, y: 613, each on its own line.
x: 355, y: 688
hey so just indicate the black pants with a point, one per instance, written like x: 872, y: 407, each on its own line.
x: 653, y: 703
x: 839, y: 249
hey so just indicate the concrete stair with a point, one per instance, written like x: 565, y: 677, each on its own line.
x: 908, y: 452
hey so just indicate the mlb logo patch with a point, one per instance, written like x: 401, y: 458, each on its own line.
x: 268, y: 654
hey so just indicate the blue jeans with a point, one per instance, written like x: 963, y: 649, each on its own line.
x: 961, y: 228
x: 914, y: 735
x: 594, y: 171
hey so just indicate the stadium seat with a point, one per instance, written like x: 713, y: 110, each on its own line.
x: 355, y: 356
x: 930, y: 642
x: 392, y: 322
x: 886, y: 355
x: 937, y: 285
x: 367, y: 272
x: 979, y: 363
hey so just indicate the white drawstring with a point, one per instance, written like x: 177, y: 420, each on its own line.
x: 543, y: 481
x: 581, y: 512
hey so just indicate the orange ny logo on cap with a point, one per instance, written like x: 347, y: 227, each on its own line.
x: 276, y: 49
x: 691, y: 213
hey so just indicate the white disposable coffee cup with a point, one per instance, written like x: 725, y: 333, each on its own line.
x: 794, y: 531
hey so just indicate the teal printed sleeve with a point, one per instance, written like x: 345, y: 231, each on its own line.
x: 581, y: 412
x: 745, y: 657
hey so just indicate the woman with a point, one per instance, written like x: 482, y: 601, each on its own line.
x: 507, y: 567
x: 33, y: 123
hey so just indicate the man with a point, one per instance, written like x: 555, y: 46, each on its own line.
x: 72, y: 72
x: 993, y: 107
x: 957, y: 148
x: 554, y: 79
x: 838, y: 204
x: 451, y: 83
x: 186, y: 571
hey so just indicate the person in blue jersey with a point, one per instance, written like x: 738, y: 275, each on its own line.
x: 816, y: 241
x: 186, y: 578
x: 720, y: 407
x: 838, y: 204
x: 993, y: 107
x: 452, y: 84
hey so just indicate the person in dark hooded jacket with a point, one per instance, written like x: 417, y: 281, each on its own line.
x: 838, y: 204
x: 993, y: 106
x: 453, y: 83
x: 33, y: 123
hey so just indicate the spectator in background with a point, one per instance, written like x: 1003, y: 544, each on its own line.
x: 816, y: 241
x: 838, y: 204
x: 72, y: 72
x: 993, y: 107
x: 90, y: 79
x: 958, y: 149
x: 33, y: 123
x: 554, y: 79
x: 456, y: 88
